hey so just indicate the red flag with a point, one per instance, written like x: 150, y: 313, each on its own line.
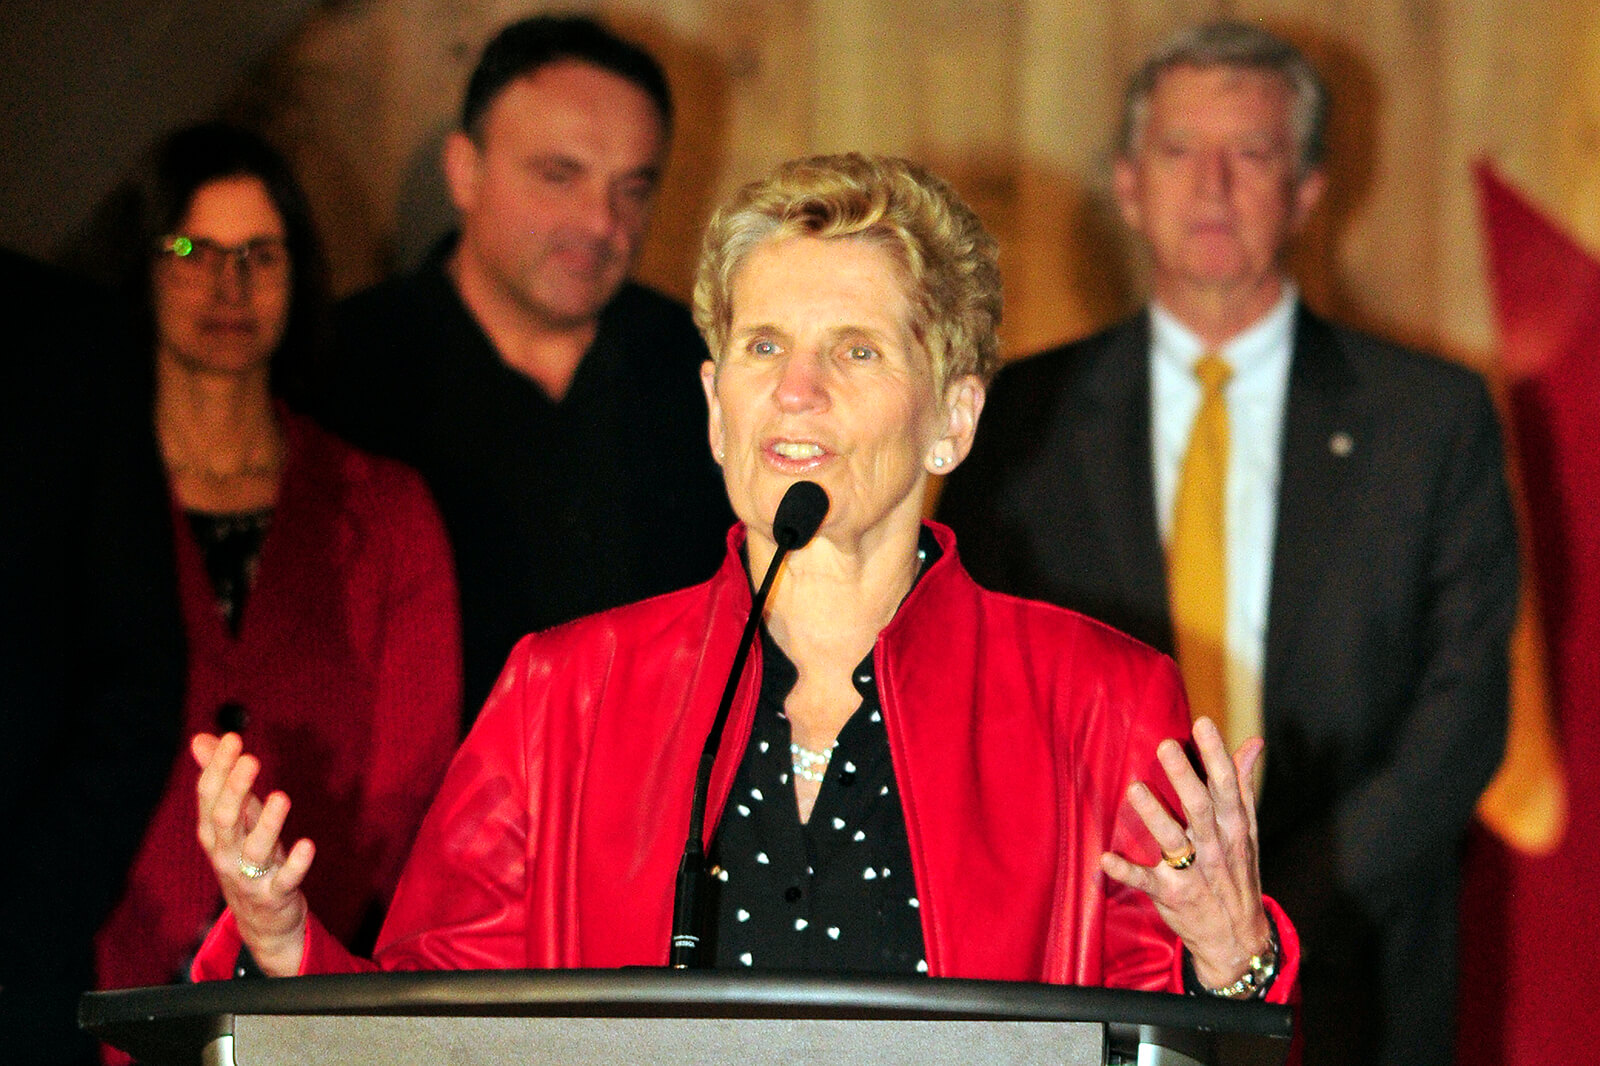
x: 1530, y: 946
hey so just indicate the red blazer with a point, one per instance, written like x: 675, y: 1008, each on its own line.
x: 347, y: 667
x: 1015, y: 729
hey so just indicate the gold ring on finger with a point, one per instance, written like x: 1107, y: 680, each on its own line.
x: 251, y: 870
x: 1181, y: 861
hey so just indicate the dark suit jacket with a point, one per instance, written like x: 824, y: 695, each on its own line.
x: 1394, y: 586
x: 91, y: 647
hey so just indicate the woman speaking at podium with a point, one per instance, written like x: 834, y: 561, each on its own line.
x: 916, y: 775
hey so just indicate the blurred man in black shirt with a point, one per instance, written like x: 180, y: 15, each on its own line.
x: 552, y: 405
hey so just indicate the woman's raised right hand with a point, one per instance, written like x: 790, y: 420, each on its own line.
x: 240, y: 834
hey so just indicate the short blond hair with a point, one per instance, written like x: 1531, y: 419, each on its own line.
x: 949, y: 259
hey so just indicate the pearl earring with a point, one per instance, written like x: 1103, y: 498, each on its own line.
x: 939, y: 461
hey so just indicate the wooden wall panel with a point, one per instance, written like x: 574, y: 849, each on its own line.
x: 770, y: 61
x: 1383, y: 64
x: 1066, y: 262
x: 325, y: 101
x: 1015, y: 101
x: 1576, y: 162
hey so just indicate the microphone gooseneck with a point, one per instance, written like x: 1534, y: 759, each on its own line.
x: 800, y: 514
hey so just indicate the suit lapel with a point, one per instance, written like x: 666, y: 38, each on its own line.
x: 1321, y: 431
x: 1112, y: 434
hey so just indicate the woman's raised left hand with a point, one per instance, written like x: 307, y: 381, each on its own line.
x: 1214, y: 901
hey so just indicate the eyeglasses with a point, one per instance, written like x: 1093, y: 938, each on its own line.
x: 202, y: 259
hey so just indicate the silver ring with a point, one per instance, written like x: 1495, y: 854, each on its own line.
x: 251, y: 870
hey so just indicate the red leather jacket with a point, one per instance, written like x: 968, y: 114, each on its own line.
x: 1015, y: 729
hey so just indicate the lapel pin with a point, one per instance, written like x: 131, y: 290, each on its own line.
x: 1341, y: 444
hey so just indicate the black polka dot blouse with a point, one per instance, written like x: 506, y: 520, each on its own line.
x: 835, y: 894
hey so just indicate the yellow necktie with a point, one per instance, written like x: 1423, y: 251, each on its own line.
x: 1197, y: 555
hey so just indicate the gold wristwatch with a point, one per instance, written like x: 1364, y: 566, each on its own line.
x: 1253, y: 985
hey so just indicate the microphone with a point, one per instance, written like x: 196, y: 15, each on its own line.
x: 799, y: 515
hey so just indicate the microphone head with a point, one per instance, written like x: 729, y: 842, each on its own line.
x: 800, y: 512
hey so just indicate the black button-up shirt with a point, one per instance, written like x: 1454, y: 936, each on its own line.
x: 835, y: 894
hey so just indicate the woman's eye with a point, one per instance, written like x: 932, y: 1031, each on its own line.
x: 861, y: 353
x: 763, y: 348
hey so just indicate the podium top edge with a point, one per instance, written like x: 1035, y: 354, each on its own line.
x: 668, y: 993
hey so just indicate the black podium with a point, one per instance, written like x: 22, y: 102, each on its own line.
x: 666, y: 1018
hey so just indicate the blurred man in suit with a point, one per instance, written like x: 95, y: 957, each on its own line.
x: 1314, y: 521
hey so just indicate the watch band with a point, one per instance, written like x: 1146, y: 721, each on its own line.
x: 1263, y: 967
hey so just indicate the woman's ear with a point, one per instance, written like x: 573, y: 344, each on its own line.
x: 963, y: 402
x: 708, y: 381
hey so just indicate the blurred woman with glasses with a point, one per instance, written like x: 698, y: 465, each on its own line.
x: 319, y: 600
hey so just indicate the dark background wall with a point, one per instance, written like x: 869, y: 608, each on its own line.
x: 87, y: 85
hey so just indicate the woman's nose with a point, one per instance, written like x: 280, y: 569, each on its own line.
x: 803, y: 384
x: 233, y: 280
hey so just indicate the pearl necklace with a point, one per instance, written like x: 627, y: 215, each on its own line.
x: 810, y: 765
